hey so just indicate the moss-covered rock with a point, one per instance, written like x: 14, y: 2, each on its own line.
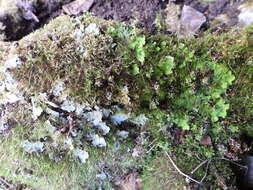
x: 74, y: 69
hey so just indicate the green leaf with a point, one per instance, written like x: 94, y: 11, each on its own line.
x: 135, y: 69
x: 167, y: 64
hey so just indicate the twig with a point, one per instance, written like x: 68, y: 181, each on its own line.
x: 207, y: 166
x: 180, y: 172
x: 5, y: 182
x: 216, y: 158
x: 231, y: 161
x: 200, y: 165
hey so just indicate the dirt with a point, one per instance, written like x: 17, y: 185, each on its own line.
x: 29, y: 17
x: 217, y: 7
x: 142, y: 12
x: 128, y: 11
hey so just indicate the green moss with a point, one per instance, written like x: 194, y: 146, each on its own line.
x: 160, y: 174
x: 38, y: 171
x: 195, y: 87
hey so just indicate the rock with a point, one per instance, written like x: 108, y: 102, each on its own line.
x: 248, y: 177
x: 78, y: 6
x: 220, y: 20
x: 191, y: 21
x: 119, y: 118
x: 82, y: 155
x: 185, y: 26
x: 106, y: 113
x: 33, y: 147
x: 245, y: 17
x: 20, y: 17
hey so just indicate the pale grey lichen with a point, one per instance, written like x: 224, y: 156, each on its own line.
x: 101, y: 176
x: 58, y: 88
x: 82, y: 155
x: 140, y: 120
x: 119, y: 118
x: 12, y: 62
x: 103, y: 127
x: 52, y: 112
x: 92, y: 29
x: 122, y: 134
x: 98, y: 141
x: 95, y: 118
x: 36, y: 110
x: 68, y: 105
x: 33, y: 147
x: 9, y: 92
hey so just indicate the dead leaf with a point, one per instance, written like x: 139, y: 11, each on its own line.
x: 137, y: 151
x: 206, y: 140
x: 131, y: 182
x: 78, y: 6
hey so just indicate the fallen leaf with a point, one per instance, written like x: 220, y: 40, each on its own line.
x: 206, y: 140
x: 131, y: 182
x: 137, y: 151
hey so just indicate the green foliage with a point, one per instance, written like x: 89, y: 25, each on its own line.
x: 194, y: 87
x: 137, y: 44
x: 165, y: 66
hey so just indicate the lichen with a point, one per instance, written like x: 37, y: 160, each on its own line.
x: 167, y: 92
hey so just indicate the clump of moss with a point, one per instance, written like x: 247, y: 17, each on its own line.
x: 188, y: 88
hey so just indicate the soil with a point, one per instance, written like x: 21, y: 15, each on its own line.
x: 142, y: 12
x: 128, y: 11
x: 24, y: 23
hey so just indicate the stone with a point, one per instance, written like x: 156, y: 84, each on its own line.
x: 191, y: 21
x: 245, y: 17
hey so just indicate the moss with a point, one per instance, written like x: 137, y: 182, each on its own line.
x: 38, y: 171
x: 160, y: 174
x: 188, y: 88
